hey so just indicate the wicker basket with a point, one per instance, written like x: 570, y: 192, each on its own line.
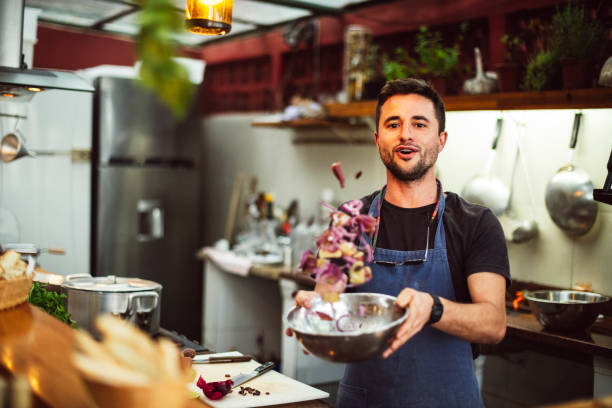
x: 14, y: 291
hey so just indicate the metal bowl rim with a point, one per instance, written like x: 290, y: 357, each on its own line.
x: 598, y: 298
x: 349, y: 333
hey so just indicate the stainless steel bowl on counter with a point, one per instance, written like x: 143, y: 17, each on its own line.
x: 135, y: 300
x: 565, y: 310
x: 355, y: 328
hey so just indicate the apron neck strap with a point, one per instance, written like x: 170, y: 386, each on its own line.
x: 379, y: 199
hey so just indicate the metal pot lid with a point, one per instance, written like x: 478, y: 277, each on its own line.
x: 110, y: 283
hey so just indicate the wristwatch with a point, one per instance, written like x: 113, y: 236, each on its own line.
x: 436, y: 310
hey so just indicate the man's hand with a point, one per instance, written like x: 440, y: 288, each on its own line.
x: 304, y: 299
x: 420, y: 304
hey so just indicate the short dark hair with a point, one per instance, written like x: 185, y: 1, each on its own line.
x: 407, y: 86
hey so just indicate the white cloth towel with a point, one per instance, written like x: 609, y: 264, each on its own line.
x: 228, y: 261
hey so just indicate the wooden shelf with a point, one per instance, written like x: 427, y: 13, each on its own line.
x: 564, y: 99
x: 310, y: 124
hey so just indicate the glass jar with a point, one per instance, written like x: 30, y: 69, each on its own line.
x: 357, y: 41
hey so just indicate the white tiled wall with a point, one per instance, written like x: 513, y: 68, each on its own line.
x: 50, y: 195
x: 300, y: 171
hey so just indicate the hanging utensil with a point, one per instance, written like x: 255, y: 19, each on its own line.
x: 604, y: 195
x: 485, y: 189
x: 12, y: 147
x: 569, y: 194
x: 525, y: 230
x: 511, y: 215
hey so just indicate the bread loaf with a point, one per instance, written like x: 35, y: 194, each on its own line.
x: 11, y: 265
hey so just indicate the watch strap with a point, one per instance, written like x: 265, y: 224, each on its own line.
x: 436, y: 310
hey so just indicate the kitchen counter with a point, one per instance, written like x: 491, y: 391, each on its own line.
x: 605, y: 402
x: 526, y: 327
x: 38, y: 346
x: 272, y: 272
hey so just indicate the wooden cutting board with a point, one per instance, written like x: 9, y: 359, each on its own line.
x: 281, y: 389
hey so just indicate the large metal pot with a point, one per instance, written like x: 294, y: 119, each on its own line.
x: 135, y: 300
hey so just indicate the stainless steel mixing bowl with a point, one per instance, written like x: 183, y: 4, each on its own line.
x: 355, y: 328
x: 565, y: 310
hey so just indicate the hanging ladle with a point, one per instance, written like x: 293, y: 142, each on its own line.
x: 528, y: 229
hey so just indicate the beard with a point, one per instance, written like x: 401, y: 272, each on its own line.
x: 424, y: 163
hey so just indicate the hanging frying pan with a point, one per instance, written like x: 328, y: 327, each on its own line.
x: 604, y: 195
x: 569, y: 194
x: 485, y: 189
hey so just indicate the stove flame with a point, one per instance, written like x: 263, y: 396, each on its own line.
x: 518, y: 299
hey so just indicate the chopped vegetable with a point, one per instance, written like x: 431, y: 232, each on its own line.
x: 324, y: 316
x: 340, y: 262
x: 215, y: 390
x: 337, y: 169
x: 358, y: 174
x: 51, y: 302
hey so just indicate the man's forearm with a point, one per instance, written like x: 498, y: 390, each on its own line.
x: 475, y: 322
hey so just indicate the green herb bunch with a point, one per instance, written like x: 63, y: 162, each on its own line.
x: 435, y: 57
x: 159, y: 23
x: 542, y: 69
x: 400, y: 66
x: 573, y: 36
x: 51, y: 302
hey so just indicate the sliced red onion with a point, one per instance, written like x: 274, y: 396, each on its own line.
x: 337, y: 169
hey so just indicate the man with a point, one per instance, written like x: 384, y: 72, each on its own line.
x: 452, y: 274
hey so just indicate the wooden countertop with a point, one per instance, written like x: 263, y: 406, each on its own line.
x: 605, y: 402
x: 38, y: 346
x: 526, y: 327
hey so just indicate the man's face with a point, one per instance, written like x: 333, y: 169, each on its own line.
x: 407, y: 139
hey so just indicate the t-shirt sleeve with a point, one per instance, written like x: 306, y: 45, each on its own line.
x: 487, y: 251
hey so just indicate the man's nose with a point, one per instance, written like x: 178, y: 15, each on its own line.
x: 406, y: 133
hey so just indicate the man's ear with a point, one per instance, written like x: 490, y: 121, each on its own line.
x: 376, y: 138
x: 443, y: 137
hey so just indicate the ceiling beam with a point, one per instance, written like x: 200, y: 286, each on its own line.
x: 314, y: 8
x: 100, y: 24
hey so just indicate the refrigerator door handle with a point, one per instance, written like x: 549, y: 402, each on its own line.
x: 150, y: 220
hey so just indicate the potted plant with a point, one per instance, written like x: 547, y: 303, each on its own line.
x: 542, y: 71
x: 438, y: 61
x: 400, y: 66
x: 509, y: 71
x: 576, y: 41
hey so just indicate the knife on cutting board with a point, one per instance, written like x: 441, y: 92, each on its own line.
x: 242, y: 378
x: 223, y: 359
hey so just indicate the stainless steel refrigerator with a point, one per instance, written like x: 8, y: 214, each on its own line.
x: 145, y: 198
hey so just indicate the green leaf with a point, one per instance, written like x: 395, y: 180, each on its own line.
x: 156, y: 47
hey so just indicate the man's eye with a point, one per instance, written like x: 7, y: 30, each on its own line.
x: 393, y: 125
x: 420, y: 125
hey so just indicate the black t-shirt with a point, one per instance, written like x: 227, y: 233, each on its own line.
x: 475, y: 240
